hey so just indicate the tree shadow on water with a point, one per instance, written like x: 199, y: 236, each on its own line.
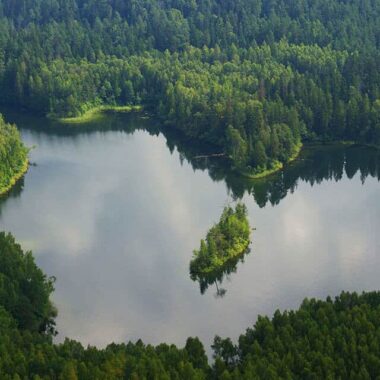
x: 15, y: 192
x: 219, y: 275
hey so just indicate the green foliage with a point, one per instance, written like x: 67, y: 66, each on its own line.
x: 254, y: 78
x: 323, y: 339
x: 13, y: 156
x: 317, y: 163
x: 24, y: 289
x: 227, y: 239
x: 226, y: 244
x: 27, y: 325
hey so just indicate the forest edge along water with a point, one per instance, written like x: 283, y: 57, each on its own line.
x: 13, y: 156
x: 138, y: 203
x: 99, y: 114
x: 113, y: 207
x: 96, y: 114
x: 202, y: 156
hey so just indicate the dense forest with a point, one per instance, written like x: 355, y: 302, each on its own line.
x: 323, y: 339
x: 13, y: 156
x: 254, y: 78
x: 251, y: 80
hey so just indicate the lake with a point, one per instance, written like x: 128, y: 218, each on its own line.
x: 114, y: 212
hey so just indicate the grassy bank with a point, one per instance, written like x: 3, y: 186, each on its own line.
x: 277, y: 166
x: 24, y: 168
x: 96, y: 113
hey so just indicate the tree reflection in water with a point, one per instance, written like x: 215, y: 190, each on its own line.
x: 316, y: 163
x: 219, y: 275
x: 15, y: 192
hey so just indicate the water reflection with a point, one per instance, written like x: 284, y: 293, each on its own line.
x: 105, y: 122
x: 114, y: 215
x: 14, y: 193
x: 316, y: 164
x: 217, y: 276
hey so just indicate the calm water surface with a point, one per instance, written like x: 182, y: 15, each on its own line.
x: 115, y: 215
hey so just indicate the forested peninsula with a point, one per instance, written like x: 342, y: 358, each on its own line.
x: 253, y: 78
x: 13, y: 156
x: 323, y: 339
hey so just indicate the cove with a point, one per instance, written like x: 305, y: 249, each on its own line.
x: 114, y: 210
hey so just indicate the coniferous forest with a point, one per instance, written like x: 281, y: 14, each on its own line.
x: 254, y: 78
x: 13, y: 156
x: 332, y: 339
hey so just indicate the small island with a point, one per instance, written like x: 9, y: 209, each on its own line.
x: 13, y: 156
x: 225, y: 241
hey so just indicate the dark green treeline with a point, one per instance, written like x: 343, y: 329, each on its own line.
x: 254, y: 78
x: 13, y: 156
x: 324, y: 339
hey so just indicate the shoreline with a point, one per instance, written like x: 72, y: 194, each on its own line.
x: 95, y: 113
x: 278, y: 166
x: 15, y: 178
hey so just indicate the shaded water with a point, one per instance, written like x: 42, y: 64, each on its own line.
x: 115, y: 213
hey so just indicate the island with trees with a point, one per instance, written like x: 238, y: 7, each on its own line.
x: 218, y: 275
x: 252, y: 79
x: 255, y: 78
x: 332, y: 339
x: 225, y: 241
x: 13, y: 156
